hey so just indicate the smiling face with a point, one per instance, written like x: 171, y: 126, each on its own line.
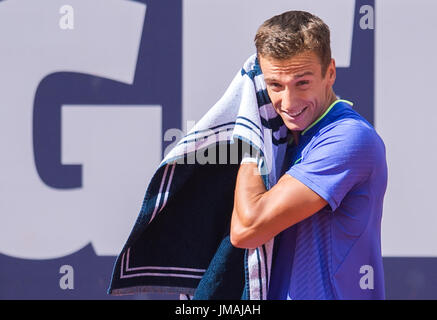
x: 299, y: 92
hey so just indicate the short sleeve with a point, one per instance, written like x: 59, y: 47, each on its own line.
x: 337, y: 160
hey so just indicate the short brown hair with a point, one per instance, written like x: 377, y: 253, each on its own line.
x: 293, y: 32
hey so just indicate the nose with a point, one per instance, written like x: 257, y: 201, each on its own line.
x: 287, y: 100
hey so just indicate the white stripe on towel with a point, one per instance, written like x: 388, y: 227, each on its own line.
x: 157, y: 274
x: 160, y: 275
x: 158, y: 268
x: 158, y: 198
x: 254, y: 276
x: 168, y: 187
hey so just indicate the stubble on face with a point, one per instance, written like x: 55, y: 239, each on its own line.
x: 297, y: 89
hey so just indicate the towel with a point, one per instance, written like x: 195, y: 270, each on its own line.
x: 180, y: 242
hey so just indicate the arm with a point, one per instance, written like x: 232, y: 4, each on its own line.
x: 340, y: 159
x: 259, y: 215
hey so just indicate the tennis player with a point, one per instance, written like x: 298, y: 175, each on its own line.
x: 326, y: 209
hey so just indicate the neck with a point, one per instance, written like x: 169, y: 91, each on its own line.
x: 333, y: 98
x: 296, y: 135
x: 330, y: 99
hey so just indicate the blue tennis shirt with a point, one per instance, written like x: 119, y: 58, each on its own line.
x: 336, y: 252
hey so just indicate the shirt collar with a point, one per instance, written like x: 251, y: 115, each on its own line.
x: 324, y: 114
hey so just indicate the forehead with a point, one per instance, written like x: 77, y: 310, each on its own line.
x: 306, y: 63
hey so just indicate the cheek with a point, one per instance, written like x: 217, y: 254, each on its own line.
x: 275, y: 99
x: 315, y: 93
x: 325, y: 84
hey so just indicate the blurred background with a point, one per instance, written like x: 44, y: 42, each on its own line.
x: 88, y: 89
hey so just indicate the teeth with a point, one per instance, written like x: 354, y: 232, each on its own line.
x: 296, y: 114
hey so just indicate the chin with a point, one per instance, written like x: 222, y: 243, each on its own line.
x: 294, y: 126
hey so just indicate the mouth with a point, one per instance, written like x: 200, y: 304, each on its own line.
x: 296, y: 114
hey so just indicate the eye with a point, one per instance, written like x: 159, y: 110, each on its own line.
x: 302, y: 83
x: 275, y: 85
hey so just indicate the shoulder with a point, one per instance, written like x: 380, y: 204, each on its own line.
x: 351, y: 130
x: 347, y: 141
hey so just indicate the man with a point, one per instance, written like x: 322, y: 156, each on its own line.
x: 326, y: 208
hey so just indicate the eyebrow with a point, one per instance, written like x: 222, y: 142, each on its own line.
x: 297, y: 76
x: 308, y: 73
x: 271, y: 80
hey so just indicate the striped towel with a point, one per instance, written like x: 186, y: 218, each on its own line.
x: 180, y: 241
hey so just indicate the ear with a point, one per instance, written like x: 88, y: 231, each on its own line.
x: 331, y: 73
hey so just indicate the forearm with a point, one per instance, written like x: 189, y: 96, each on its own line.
x: 249, y: 190
x: 259, y: 215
